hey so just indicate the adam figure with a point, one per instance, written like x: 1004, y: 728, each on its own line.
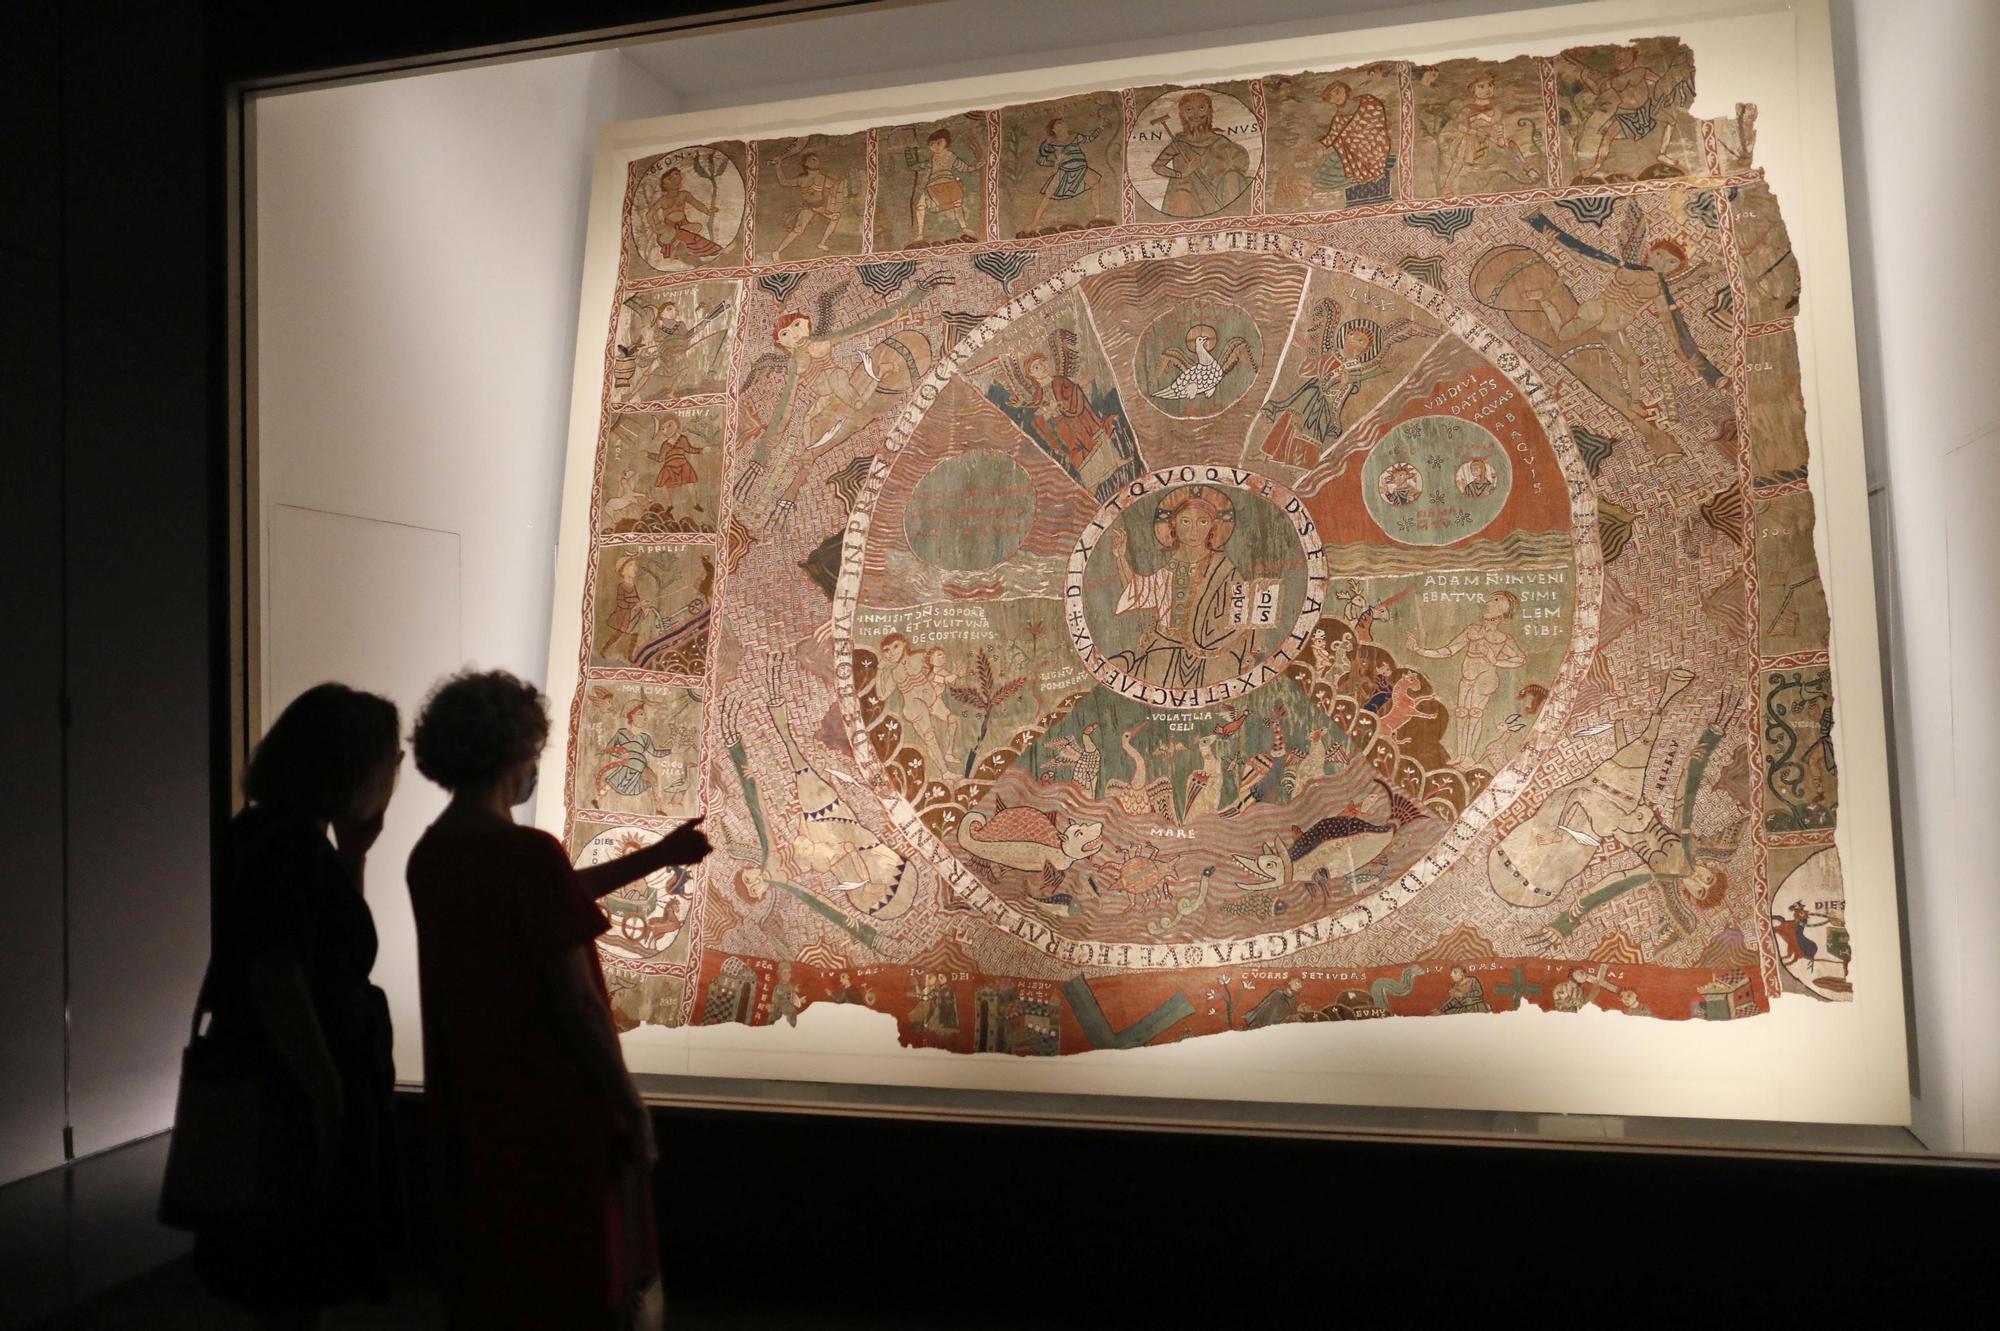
x: 1488, y: 650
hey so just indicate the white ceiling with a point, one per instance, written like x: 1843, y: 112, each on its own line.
x: 941, y: 39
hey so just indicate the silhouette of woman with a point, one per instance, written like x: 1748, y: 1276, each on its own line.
x: 288, y: 987
x: 541, y: 1176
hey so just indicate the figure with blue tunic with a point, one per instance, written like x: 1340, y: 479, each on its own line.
x: 1071, y: 174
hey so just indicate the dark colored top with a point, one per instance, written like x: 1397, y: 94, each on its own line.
x: 285, y: 896
x: 537, y: 1226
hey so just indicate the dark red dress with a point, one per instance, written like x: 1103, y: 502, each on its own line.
x: 536, y: 1225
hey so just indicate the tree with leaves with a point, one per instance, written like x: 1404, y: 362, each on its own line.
x: 984, y: 696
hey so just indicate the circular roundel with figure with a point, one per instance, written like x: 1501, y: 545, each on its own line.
x: 647, y: 915
x: 1232, y: 557
x: 1151, y: 671
x: 1194, y: 152
x: 687, y: 209
x: 1434, y: 480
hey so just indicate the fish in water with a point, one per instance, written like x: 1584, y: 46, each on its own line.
x: 1335, y: 828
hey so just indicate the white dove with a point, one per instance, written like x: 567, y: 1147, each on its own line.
x: 1199, y: 374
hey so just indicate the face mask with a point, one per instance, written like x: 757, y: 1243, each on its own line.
x: 527, y: 791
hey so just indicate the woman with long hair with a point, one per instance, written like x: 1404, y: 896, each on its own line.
x: 540, y: 1147
x: 288, y: 988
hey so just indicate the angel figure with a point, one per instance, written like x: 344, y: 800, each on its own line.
x: 1342, y: 358
x: 804, y: 356
x: 1043, y: 396
x: 1199, y: 373
x: 1646, y: 276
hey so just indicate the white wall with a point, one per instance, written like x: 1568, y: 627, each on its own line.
x: 1919, y: 210
x: 103, y: 521
x: 31, y: 851
x: 861, y: 50
x: 418, y: 249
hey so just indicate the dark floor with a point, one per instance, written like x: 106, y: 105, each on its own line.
x: 800, y: 1221
x: 172, y: 1299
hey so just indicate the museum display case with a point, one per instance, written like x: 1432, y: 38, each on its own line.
x: 1312, y: 579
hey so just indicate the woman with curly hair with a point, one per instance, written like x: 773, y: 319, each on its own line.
x: 287, y: 986
x: 540, y: 1146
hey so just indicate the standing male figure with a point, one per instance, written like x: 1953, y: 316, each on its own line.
x: 1488, y: 650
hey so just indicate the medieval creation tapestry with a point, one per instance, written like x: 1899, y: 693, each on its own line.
x: 1182, y: 559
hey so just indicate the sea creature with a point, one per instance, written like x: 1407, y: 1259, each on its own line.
x: 1181, y: 905
x: 1145, y: 878
x: 1329, y: 852
x: 1029, y: 840
x: 1354, y: 1004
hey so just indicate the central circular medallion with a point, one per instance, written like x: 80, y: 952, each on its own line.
x: 1193, y: 585
x: 1145, y: 709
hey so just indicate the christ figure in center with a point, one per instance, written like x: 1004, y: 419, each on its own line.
x: 1198, y: 635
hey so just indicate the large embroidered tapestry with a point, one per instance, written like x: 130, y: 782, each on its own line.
x: 1183, y: 559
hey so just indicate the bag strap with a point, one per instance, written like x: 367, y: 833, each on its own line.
x: 202, y: 1001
